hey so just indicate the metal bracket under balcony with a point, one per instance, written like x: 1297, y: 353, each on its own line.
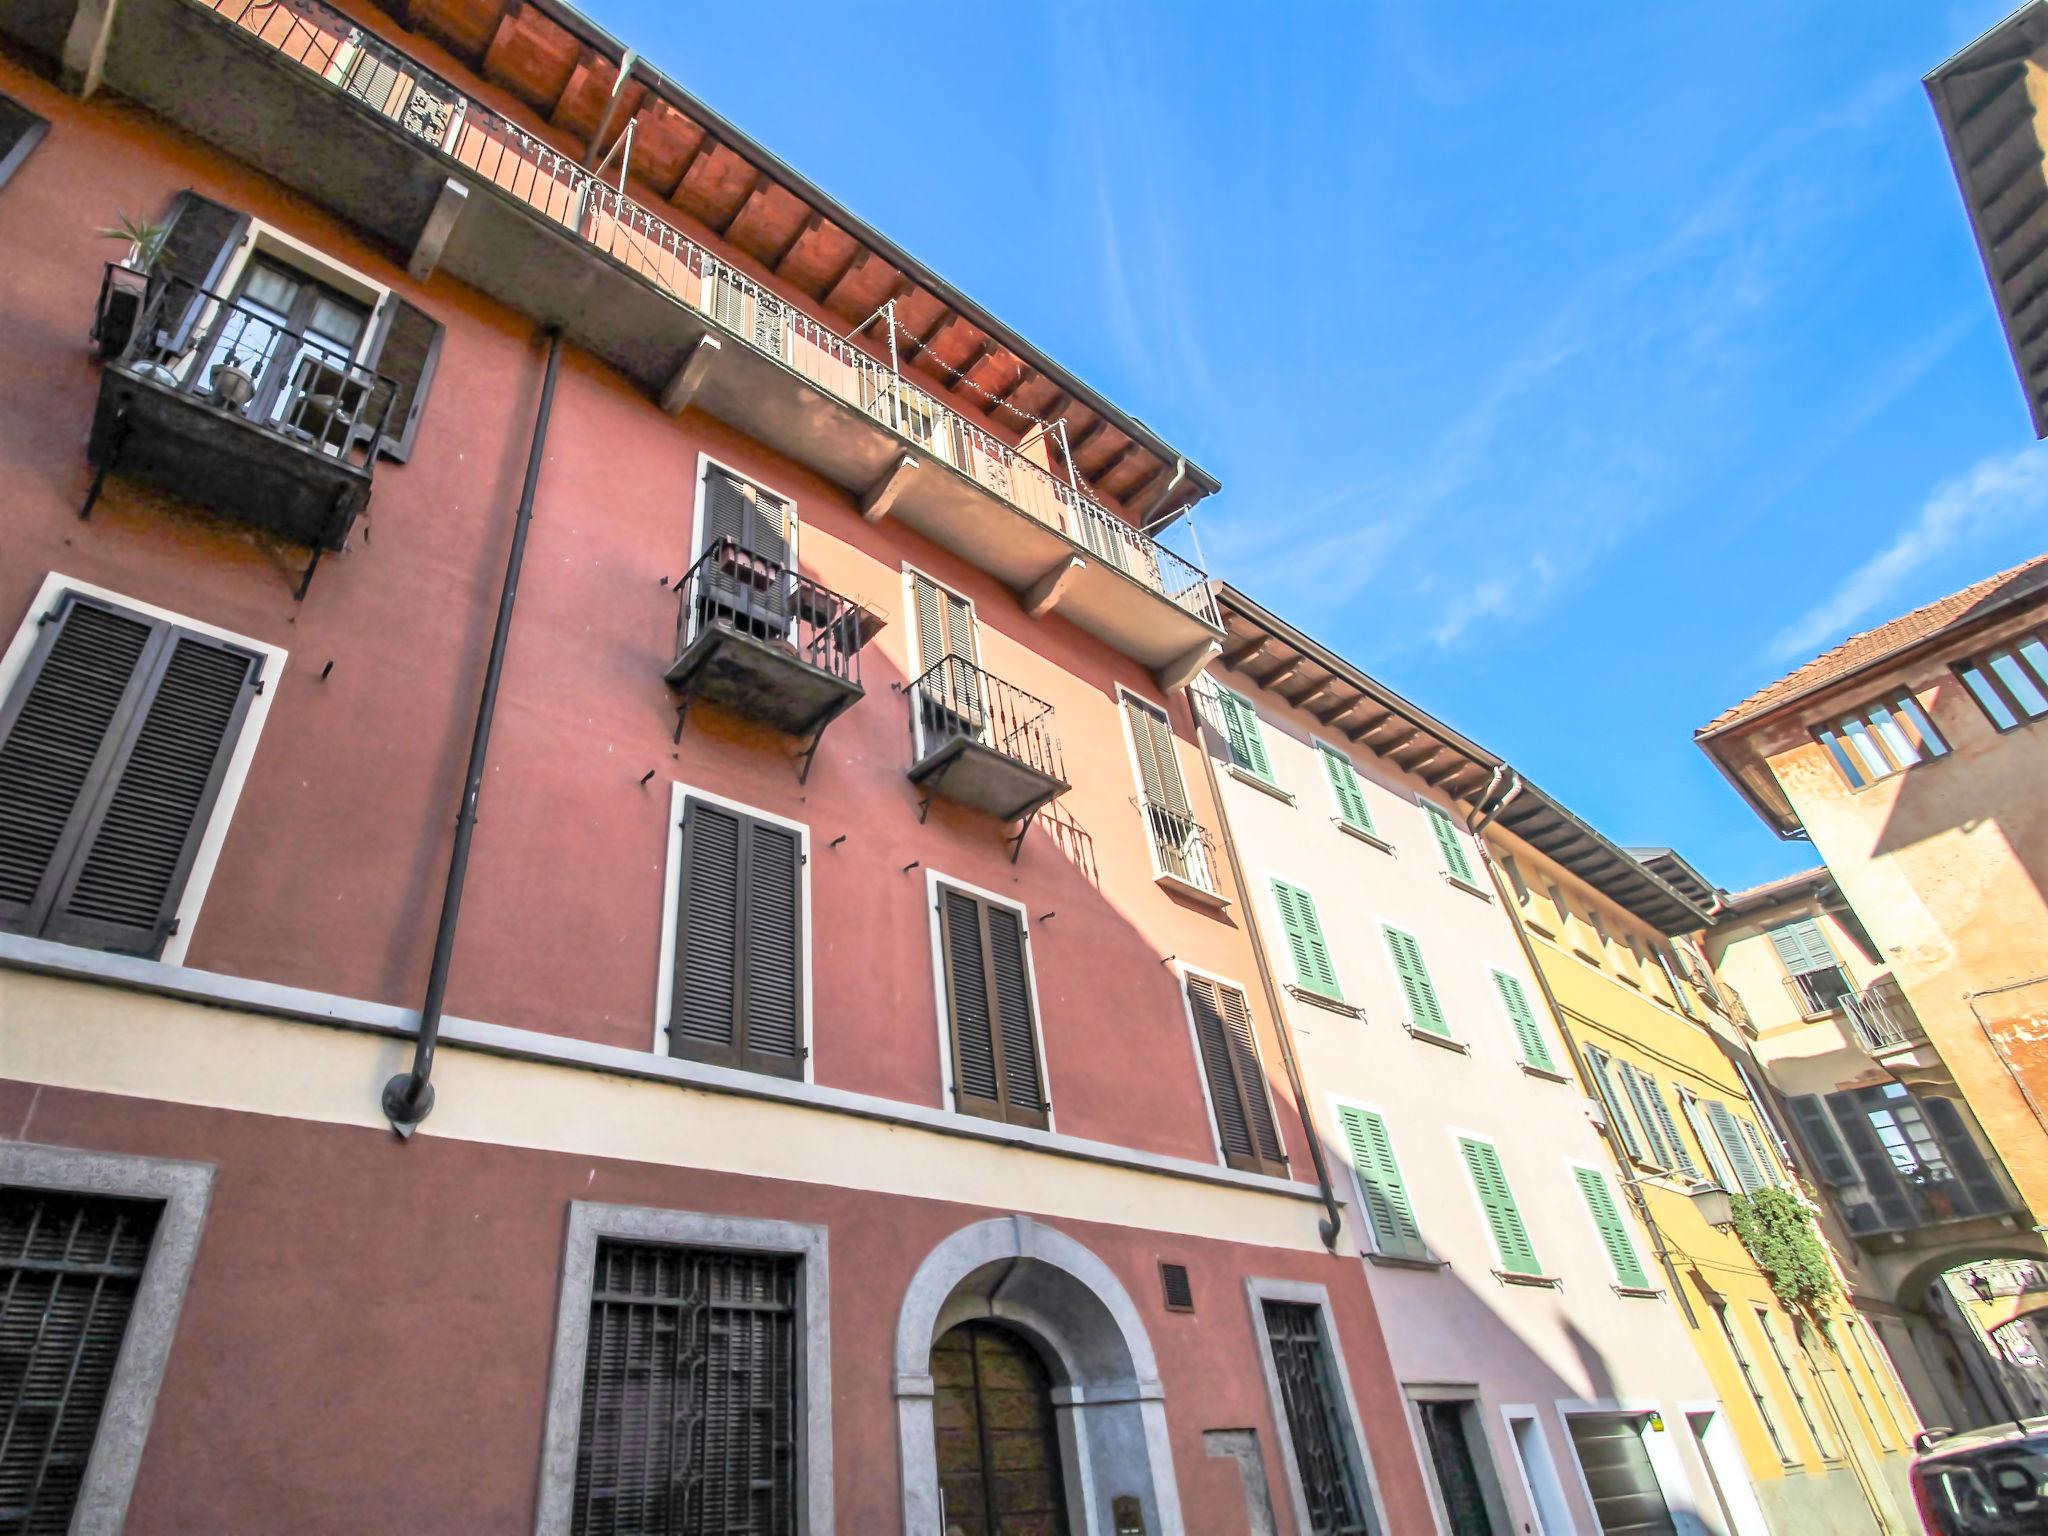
x: 984, y: 743
x: 754, y: 637
x: 212, y: 399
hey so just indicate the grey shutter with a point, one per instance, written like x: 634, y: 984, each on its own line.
x: 737, y: 998
x: 752, y: 587
x: 1158, y: 762
x: 20, y: 131
x: 945, y: 634
x: 771, y: 950
x: 1596, y: 1063
x: 1880, y: 1174
x: 1822, y: 1144
x: 1237, y: 1087
x: 1646, y: 1117
x: 204, y: 235
x: 1960, y: 1148
x: 407, y: 351
x: 988, y: 1006
x: 1017, y: 1033
x: 1728, y: 1131
x: 112, y: 751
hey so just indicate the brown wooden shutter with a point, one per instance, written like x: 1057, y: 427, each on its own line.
x: 1237, y: 1086
x: 737, y: 998
x: 112, y: 751
x: 203, y: 238
x: 407, y: 351
x: 988, y: 1010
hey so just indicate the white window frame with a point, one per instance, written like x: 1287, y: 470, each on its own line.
x: 1160, y: 874
x: 261, y: 239
x: 671, y: 912
x: 1369, y: 1244
x: 705, y: 464
x: 1539, y: 1483
x: 911, y: 670
x: 206, y: 854
x: 933, y: 879
x: 1182, y: 971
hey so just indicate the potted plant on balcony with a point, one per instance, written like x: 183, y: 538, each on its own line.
x: 125, y: 292
x: 234, y: 379
x: 146, y: 239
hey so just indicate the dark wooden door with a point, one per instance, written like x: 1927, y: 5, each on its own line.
x: 999, y: 1454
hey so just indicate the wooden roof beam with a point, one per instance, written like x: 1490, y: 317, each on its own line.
x: 1238, y: 657
x: 1327, y: 688
x: 805, y: 228
x: 755, y: 187
x: 1285, y: 672
x: 1370, y: 727
x: 853, y: 266
x: 1001, y: 398
x: 704, y: 145
x: 932, y: 333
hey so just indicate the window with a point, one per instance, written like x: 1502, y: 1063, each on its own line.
x: 1247, y: 740
x: 295, y: 334
x: 70, y: 1267
x: 1834, y: 1333
x: 1511, y: 1243
x: 1887, y: 736
x: 1753, y: 1383
x: 699, y: 1345
x: 1238, y: 1101
x: 748, y: 586
x: 1660, y: 1106
x: 1326, y: 1464
x: 1670, y: 965
x: 991, y: 1022
x: 1864, y: 1352
x: 1313, y: 971
x: 1597, y: 1062
x: 1637, y: 1087
x: 1816, y: 978
x: 950, y: 697
x: 1822, y: 1144
x: 1614, y: 1235
x: 1180, y: 846
x: 738, y: 995
x: 1346, y: 790
x: 1514, y: 1001
x: 2010, y: 684
x: 1916, y: 1156
x: 1381, y: 1189
x: 114, y: 744
x: 1735, y: 1148
x: 1451, y: 845
x: 20, y: 131
x: 1795, y: 1380
x: 1425, y: 1014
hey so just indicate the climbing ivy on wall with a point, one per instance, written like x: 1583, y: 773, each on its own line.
x: 1779, y: 1233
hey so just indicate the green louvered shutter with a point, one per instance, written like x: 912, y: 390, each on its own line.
x: 1345, y: 786
x: 1662, y: 1106
x: 1453, y: 847
x: 1802, y: 946
x: 1766, y: 1164
x: 1503, y: 1216
x: 1728, y: 1131
x: 1394, y: 1228
x: 1639, y: 1100
x: 1247, y: 741
x: 1596, y: 1063
x: 1535, y: 1049
x: 1312, y: 968
x: 1621, y: 1251
x: 1424, y: 1012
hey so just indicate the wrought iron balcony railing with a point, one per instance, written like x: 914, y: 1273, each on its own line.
x: 1183, y: 847
x: 1882, y: 1017
x: 957, y: 700
x: 490, y: 147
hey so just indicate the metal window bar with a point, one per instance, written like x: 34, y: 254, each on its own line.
x: 1183, y: 846
x: 493, y: 148
x: 1819, y: 992
x: 956, y: 699
x: 1330, y: 1483
x: 1882, y: 1017
x: 763, y: 598
x: 301, y: 388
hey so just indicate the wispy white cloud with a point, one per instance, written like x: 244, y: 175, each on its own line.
x: 1994, y: 491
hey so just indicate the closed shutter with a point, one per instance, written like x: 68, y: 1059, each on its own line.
x: 1345, y: 786
x: 1528, y: 1033
x: 1646, y: 1117
x: 1247, y: 741
x: 1237, y: 1086
x: 1596, y: 1063
x: 1503, y: 1216
x: 1450, y: 844
x: 945, y: 634
x: 1662, y: 1105
x: 1424, y: 1012
x: 988, y: 1010
x: 1765, y: 1164
x: 1311, y: 956
x: 371, y: 79
x: 1710, y: 1144
x: 1817, y: 1130
x: 1614, y: 1237
x: 407, y: 351
x: 203, y: 238
x: 737, y: 999
x: 1158, y: 760
x: 113, y: 746
x: 748, y: 587
x: 1960, y: 1148
x: 20, y: 130
x: 1802, y: 946
x: 1394, y: 1228
x: 1627, y: 1498
x: 1880, y: 1174
x: 1728, y: 1131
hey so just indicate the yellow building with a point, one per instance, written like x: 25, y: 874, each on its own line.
x: 1814, y: 1405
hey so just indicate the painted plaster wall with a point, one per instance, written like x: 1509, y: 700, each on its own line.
x: 1458, y: 1324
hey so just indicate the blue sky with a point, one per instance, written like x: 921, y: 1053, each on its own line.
x: 1575, y: 368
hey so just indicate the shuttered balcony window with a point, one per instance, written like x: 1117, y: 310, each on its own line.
x: 688, y: 1422
x: 737, y: 997
x: 991, y: 1026
x: 1237, y: 1086
x: 113, y: 746
x: 70, y: 1266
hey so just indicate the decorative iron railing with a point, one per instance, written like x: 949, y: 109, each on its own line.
x: 956, y: 700
x: 733, y: 588
x: 1818, y: 992
x: 1182, y: 846
x: 1882, y: 1017
x: 493, y: 148
x: 243, y: 359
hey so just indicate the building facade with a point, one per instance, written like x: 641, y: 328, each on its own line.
x: 852, y: 1105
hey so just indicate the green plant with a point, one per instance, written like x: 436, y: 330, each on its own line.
x: 146, y: 237
x: 1779, y: 1234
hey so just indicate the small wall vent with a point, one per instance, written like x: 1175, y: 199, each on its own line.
x: 1173, y: 1280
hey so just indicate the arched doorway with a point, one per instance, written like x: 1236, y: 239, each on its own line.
x: 998, y: 1446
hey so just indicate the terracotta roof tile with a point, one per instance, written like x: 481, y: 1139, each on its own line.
x: 1873, y: 645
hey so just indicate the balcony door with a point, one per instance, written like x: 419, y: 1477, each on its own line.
x: 297, y: 338
x: 951, y: 701
x: 746, y: 557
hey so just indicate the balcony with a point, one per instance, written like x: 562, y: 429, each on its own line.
x: 1818, y: 993
x: 1882, y: 1018
x: 297, y: 89
x: 1183, y: 852
x: 212, y: 399
x: 754, y: 637
x: 982, y: 742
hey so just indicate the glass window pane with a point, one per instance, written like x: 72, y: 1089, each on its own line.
x: 2036, y: 653
x: 1843, y: 760
x: 1901, y: 747
x: 1995, y: 708
x: 271, y: 288
x: 335, y: 323
x: 1931, y: 744
x: 1869, y: 756
x: 2023, y: 687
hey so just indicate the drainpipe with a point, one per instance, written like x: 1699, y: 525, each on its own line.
x: 1332, y: 1223
x: 1482, y: 817
x: 409, y: 1097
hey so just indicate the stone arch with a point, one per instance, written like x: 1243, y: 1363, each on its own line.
x: 1110, y: 1407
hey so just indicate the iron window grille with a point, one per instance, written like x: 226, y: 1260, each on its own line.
x: 1330, y: 1482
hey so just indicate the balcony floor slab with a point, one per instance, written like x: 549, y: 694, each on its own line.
x: 972, y: 773
x: 764, y: 680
